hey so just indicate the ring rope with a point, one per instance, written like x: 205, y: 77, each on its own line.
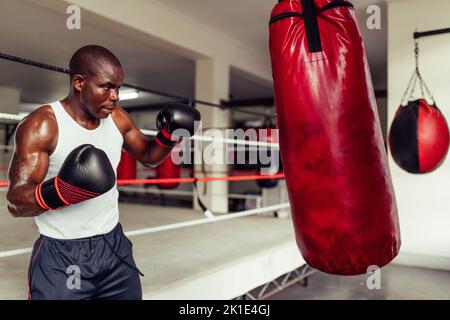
x: 9, y: 253
x: 152, y: 91
x: 190, y: 193
x: 123, y: 182
x: 203, y: 138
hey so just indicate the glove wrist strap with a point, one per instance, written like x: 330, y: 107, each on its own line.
x: 48, y: 196
x: 164, y: 139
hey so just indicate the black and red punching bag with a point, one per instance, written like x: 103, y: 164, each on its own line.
x: 342, y: 200
x: 419, y: 137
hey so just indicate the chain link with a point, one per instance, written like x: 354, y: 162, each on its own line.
x: 416, y: 77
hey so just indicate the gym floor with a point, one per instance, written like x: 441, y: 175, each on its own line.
x: 205, y: 261
x: 397, y: 283
x: 183, y: 262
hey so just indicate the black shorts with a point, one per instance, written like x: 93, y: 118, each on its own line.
x: 99, y: 267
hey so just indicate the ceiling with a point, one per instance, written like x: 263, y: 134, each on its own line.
x: 247, y: 21
x: 33, y: 32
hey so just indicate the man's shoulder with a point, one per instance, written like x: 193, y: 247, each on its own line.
x: 119, y: 112
x: 41, y: 115
x: 44, y: 111
x: 41, y: 120
x: 122, y: 120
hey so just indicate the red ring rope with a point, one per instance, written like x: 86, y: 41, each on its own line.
x: 188, y: 180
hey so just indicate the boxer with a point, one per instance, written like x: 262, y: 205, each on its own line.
x: 63, y: 174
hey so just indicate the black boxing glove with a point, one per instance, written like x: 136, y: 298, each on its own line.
x: 85, y: 174
x: 172, y: 117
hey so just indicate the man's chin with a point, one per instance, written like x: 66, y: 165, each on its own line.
x: 104, y: 113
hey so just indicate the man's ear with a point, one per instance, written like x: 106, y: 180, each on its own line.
x: 78, y: 82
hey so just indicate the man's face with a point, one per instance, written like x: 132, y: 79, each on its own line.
x: 99, y: 92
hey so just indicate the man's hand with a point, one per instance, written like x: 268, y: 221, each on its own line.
x: 85, y: 174
x: 172, y: 117
x: 146, y: 150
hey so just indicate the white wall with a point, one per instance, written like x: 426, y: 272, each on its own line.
x: 423, y: 200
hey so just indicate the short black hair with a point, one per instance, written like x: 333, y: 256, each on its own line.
x: 87, y: 59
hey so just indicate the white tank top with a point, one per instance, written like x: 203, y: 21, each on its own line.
x: 95, y: 216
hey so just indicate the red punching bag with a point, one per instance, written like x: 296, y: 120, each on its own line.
x: 168, y: 170
x: 419, y: 137
x: 340, y: 190
x: 127, y: 166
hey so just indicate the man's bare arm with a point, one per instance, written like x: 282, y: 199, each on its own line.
x: 146, y: 151
x: 35, y: 139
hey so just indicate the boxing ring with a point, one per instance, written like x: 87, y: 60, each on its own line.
x: 219, y: 260
x: 183, y: 253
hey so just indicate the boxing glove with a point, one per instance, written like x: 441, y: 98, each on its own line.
x: 85, y: 174
x: 172, y: 117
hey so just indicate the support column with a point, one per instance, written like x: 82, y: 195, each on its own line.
x: 9, y: 103
x: 212, y: 84
x: 10, y: 100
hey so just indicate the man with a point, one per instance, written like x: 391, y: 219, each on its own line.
x: 63, y: 173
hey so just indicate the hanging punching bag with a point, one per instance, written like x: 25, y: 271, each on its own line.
x: 168, y: 170
x: 127, y: 166
x: 340, y: 190
x: 419, y: 137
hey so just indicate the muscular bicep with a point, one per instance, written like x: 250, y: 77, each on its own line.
x: 33, y: 142
x: 143, y: 148
x: 135, y: 142
x: 29, y: 163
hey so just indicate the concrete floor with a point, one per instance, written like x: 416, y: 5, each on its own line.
x: 168, y: 258
x: 397, y: 283
x: 172, y: 257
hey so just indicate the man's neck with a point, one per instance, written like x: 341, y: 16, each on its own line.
x: 73, y: 107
